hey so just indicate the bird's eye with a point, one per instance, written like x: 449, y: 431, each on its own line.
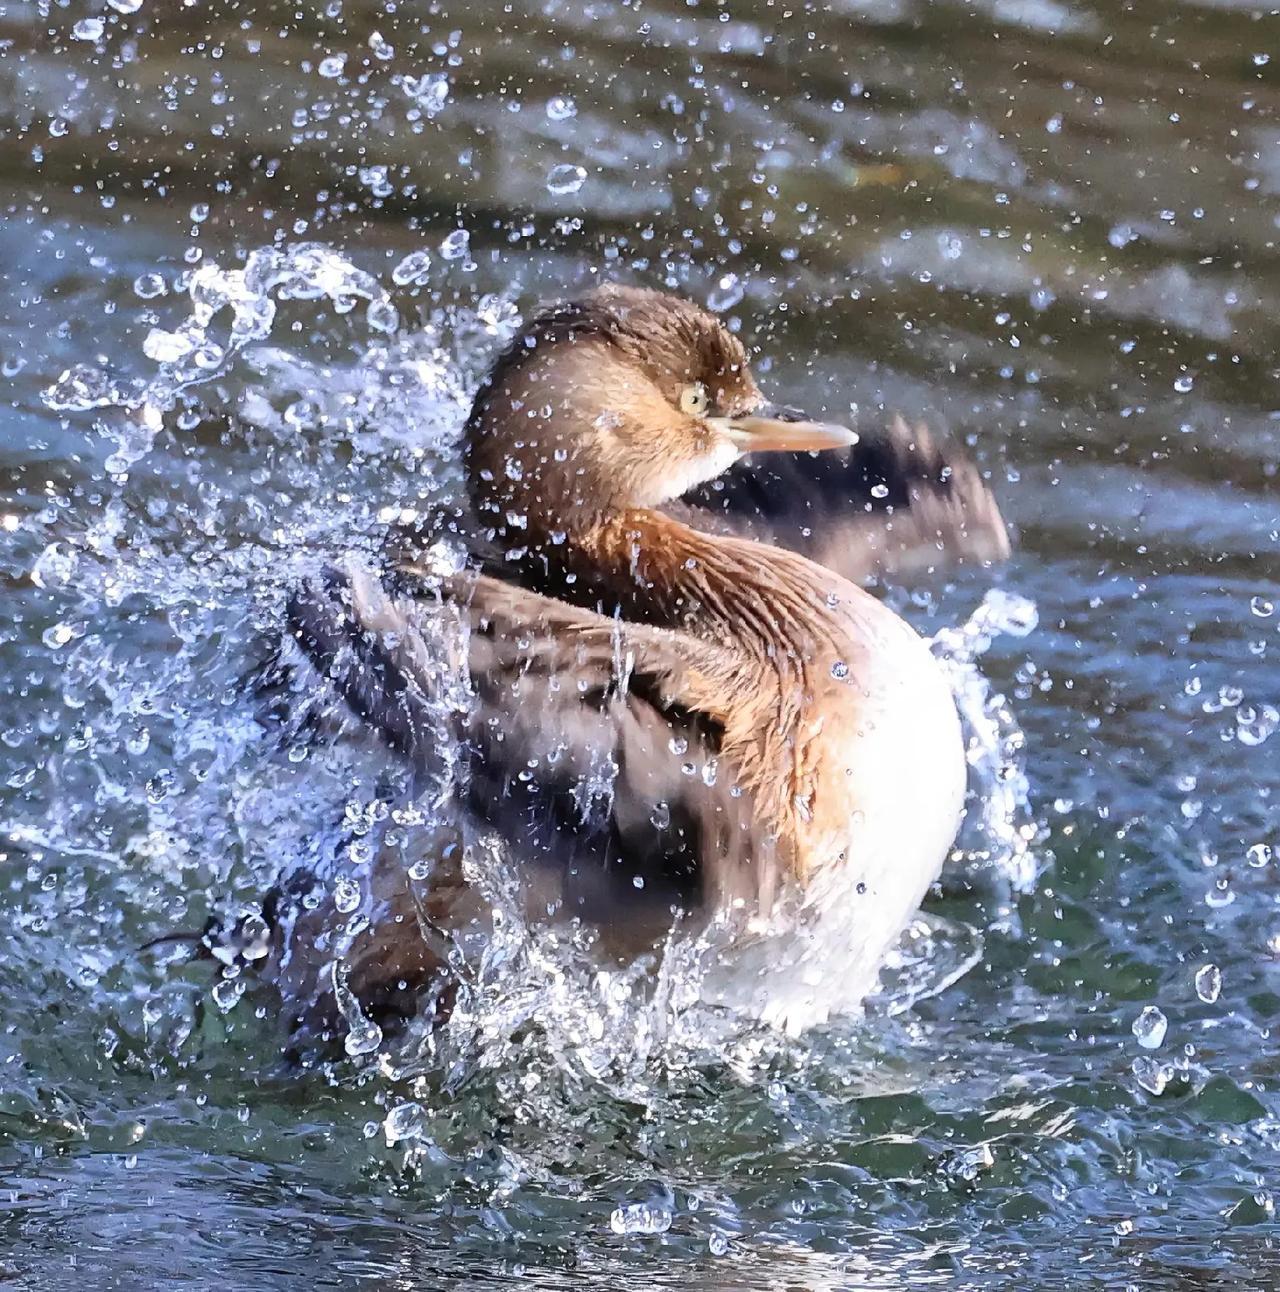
x: 693, y: 399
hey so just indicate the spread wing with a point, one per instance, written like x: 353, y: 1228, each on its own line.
x: 899, y: 502
x: 577, y: 752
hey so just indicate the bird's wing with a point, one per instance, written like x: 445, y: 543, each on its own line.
x: 582, y: 750
x: 897, y: 503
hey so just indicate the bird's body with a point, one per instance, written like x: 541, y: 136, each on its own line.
x: 670, y: 722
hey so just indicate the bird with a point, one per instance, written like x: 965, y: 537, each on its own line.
x: 683, y: 707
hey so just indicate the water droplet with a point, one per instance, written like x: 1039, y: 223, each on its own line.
x: 840, y: 670
x: 718, y: 1243
x: 640, y: 1218
x: 561, y: 108
x: 412, y: 270
x: 331, y: 67
x: 1209, y: 983
x: 1258, y: 855
x: 149, y: 286
x: 88, y: 29
x: 58, y: 635
x: 167, y: 347
x: 1255, y: 725
x: 455, y: 245
x: 1152, y: 1075
x: 364, y: 1036
x: 1150, y: 1027
x: 566, y: 178
x: 405, y: 1121
x: 382, y: 316
x: 728, y: 292
x: 1184, y: 383
x: 226, y: 992
x: 1263, y: 608
x: 125, y: 6
x: 346, y: 895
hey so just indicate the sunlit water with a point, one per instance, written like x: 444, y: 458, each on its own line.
x: 1047, y: 229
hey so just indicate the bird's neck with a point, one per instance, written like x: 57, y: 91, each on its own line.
x: 645, y: 566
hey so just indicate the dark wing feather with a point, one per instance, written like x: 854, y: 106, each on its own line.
x: 573, y: 755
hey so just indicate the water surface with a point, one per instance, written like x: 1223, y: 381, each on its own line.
x: 1048, y: 229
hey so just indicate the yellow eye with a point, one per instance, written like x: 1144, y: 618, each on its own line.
x: 693, y: 399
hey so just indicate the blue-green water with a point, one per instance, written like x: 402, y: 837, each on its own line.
x: 1049, y: 230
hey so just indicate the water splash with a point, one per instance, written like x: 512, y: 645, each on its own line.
x: 152, y: 776
x: 210, y: 804
x: 1001, y: 831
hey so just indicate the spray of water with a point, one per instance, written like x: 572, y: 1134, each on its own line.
x: 196, y: 795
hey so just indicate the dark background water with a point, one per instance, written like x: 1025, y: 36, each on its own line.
x: 1049, y: 229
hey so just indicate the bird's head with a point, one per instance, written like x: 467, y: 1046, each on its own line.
x: 626, y: 398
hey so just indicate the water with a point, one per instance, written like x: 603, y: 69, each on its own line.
x: 1049, y: 229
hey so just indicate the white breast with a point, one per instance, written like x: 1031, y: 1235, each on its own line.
x: 903, y: 756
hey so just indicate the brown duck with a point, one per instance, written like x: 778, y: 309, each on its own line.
x: 686, y: 709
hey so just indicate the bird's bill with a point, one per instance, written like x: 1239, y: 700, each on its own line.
x: 771, y: 429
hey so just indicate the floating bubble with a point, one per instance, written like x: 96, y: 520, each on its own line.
x: 382, y: 316
x: 88, y: 29
x: 560, y: 108
x: 59, y: 635
x: 332, y: 66
x: 227, y: 992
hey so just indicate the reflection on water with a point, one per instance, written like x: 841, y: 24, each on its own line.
x: 1048, y: 228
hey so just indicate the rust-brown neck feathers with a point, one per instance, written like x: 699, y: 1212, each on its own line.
x: 584, y: 427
